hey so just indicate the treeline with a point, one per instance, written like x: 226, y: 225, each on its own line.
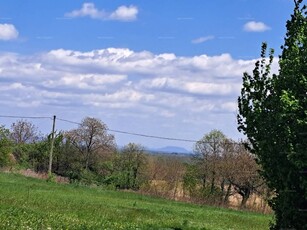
x: 218, y: 170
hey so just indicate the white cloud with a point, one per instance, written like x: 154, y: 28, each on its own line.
x: 122, y: 13
x: 229, y: 106
x: 128, y: 90
x: 125, y: 13
x: 8, y: 32
x: 88, y: 9
x: 254, y: 26
x: 192, y: 87
x: 85, y: 81
x: 202, y: 39
x: 141, y: 79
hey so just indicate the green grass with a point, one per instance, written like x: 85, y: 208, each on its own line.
x: 27, y: 203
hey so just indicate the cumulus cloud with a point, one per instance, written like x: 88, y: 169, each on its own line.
x: 254, y: 26
x: 122, y: 13
x: 202, y: 39
x: 8, y: 32
x: 141, y: 79
x: 192, y: 87
x: 88, y: 9
x: 85, y: 81
x: 142, y: 87
x: 125, y: 13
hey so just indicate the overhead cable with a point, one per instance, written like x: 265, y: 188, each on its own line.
x: 25, y: 117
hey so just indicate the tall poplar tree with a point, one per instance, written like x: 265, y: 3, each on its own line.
x: 273, y: 115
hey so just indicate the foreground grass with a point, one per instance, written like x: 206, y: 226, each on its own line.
x: 27, y: 203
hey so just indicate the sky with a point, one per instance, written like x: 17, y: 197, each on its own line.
x: 168, y: 68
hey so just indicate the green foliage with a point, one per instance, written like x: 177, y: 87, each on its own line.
x: 51, y: 178
x: 39, y: 156
x: 129, y: 165
x: 32, y: 155
x: 272, y: 112
x: 66, y: 159
x: 192, y: 185
x: 5, y: 146
x: 21, y: 153
x: 35, y: 204
x: 191, y: 180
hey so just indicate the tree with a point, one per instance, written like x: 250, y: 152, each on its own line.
x: 227, y: 166
x: 243, y: 173
x: 190, y: 182
x: 26, y: 137
x: 272, y: 113
x: 23, y: 132
x: 91, y: 140
x: 5, y: 146
x: 208, y: 152
x: 165, y: 175
x: 37, y: 154
x: 130, y: 163
x: 67, y: 160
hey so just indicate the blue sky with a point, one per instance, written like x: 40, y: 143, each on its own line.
x: 164, y: 67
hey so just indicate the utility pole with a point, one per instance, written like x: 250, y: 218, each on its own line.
x: 52, y: 145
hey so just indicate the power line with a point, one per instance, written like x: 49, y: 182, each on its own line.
x: 111, y: 130
x: 152, y: 136
x: 135, y: 134
x: 116, y: 131
x: 68, y: 121
x: 25, y: 117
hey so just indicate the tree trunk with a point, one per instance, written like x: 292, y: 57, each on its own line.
x: 222, y: 190
x: 227, y: 195
x: 175, y: 189
x: 86, y: 163
x: 245, y: 195
x: 212, y: 183
x: 204, y: 181
x: 134, y: 185
x: 87, y: 159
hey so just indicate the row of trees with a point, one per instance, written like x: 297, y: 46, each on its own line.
x: 88, y: 153
x: 219, y: 169
x: 223, y: 168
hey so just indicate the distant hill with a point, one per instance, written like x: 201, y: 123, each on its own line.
x: 171, y: 149
x: 167, y: 150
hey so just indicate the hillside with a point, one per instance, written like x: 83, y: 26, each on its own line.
x: 173, y: 149
x: 28, y: 203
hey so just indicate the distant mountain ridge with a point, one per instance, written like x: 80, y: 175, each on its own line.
x: 171, y: 149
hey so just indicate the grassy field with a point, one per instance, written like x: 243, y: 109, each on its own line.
x: 27, y: 203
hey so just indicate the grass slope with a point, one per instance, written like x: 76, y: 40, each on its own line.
x: 27, y: 203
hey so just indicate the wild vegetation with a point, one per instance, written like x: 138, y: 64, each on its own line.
x: 28, y: 203
x: 219, y: 170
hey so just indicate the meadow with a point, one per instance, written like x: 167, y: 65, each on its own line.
x: 29, y: 203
